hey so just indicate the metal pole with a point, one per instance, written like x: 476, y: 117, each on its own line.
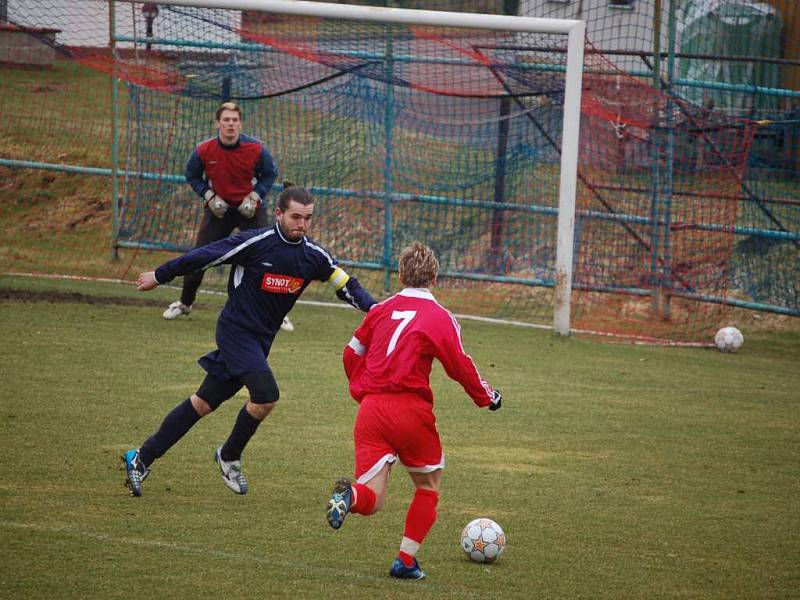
x: 666, y: 266
x: 379, y: 14
x: 567, y: 189
x: 112, y: 25
x: 496, y: 244
x: 226, y: 88
x: 388, y: 164
x: 657, y: 43
x: 510, y: 7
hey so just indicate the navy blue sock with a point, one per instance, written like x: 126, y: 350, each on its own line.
x: 243, y: 430
x: 175, y: 425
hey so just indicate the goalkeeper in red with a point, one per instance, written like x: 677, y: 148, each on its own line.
x: 388, y: 363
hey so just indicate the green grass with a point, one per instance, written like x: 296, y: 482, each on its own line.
x: 617, y: 471
x: 80, y: 135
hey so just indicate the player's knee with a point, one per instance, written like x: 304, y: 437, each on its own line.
x: 263, y: 388
x: 259, y: 411
x: 203, y: 407
x: 214, y: 404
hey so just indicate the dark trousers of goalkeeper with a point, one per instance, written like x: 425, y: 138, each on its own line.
x: 213, y: 229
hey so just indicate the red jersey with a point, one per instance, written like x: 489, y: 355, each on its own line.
x: 232, y: 171
x: 393, y: 349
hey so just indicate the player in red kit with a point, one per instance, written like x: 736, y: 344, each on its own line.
x: 388, y: 363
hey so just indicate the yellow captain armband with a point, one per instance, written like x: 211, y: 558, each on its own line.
x: 338, y: 278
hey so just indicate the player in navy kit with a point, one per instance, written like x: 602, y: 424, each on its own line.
x: 388, y: 363
x: 270, y: 268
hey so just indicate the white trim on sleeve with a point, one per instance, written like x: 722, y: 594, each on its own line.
x: 357, y: 346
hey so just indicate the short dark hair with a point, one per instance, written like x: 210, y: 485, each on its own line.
x: 292, y: 191
x: 228, y: 106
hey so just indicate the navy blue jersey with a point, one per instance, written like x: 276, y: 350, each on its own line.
x: 268, y: 274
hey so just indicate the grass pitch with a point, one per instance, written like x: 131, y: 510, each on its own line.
x: 617, y: 471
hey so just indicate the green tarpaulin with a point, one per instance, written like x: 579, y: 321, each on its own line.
x: 730, y: 28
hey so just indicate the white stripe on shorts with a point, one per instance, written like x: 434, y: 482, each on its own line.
x: 428, y: 468
x: 375, y: 469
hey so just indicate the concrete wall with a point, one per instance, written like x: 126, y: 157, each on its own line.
x: 608, y: 27
x: 85, y: 22
x: 18, y: 47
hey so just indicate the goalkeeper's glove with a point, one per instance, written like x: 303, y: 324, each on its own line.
x: 250, y: 205
x: 497, y: 400
x: 215, y: 204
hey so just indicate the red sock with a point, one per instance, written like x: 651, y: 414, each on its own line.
x: 407, y: 559
x: 420, y: 518
x: 365, y: 499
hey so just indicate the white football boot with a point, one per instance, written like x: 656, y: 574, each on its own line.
x: 231, y: 471
x: 176, y: 309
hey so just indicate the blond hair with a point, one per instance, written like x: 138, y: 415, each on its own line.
x: 417, y: 266
x: 228, y: 106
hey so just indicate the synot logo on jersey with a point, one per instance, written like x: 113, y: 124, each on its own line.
x: 281, y: 284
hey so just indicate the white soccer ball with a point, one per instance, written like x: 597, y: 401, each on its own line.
x: 728, y: 339
x: 483, y: 540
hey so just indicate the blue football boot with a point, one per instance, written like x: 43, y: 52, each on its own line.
x: 340, y: 502
x: 135, y: 472
x: 401, y: 571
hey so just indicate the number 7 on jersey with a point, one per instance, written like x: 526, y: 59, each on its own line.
x: 405, y: 317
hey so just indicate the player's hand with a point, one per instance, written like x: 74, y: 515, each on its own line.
x: 146, y: 281
x: 215, y: 204
x: 250, y: 205
x: 497, y: 400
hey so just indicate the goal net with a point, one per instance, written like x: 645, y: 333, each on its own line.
x: 418, y: 130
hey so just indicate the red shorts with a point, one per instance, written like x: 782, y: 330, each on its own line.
x: 389, y: 426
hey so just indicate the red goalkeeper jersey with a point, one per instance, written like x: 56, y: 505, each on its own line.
x: 393, y: 349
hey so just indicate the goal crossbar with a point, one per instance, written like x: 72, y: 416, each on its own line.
x: 574, y: 29
x: 381, y: 14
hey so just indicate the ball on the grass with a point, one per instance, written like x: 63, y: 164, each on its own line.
x: 483, y: 540
x: 728, y: 339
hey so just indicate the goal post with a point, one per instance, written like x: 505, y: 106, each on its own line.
x: 562, y: 298
x: 573, y: 29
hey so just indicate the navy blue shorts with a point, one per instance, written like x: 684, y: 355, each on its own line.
x: 238, y: 352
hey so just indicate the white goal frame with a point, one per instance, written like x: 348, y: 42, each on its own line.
x: 574, y: 29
